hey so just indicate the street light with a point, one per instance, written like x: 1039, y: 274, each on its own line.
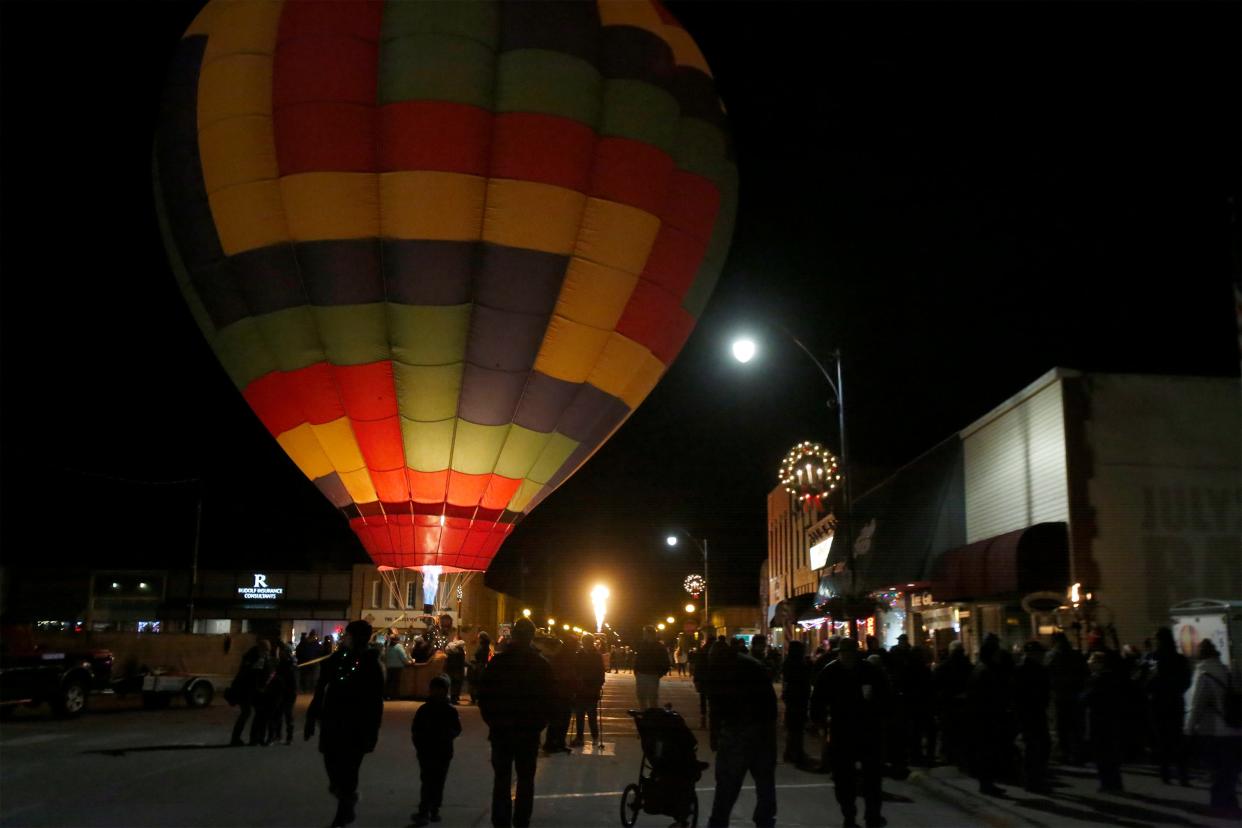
x: 670, y: 620
x: 660, y: 627
x: 672, y: 540
x: 745, y: 349
x: 551, y: 623
x: 689, y: 608
x: 565, y: 627
x: 526, y: 613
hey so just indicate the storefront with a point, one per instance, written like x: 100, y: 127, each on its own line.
x: 275, y: 604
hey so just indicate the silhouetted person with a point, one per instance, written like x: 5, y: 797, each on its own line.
x: 395, y: 659
x: 561, y: 696
x: 1032, y: 690
x: 513, y: 699
x: 921, y: 707
x: 650, y: 665
x: 247, y: 688
x: 284, y: 690
x: 1219, y: 741
x: 796, y: 692
x: 348, y: 706
x: 455, y: 669
x: 309, y: 649
x: 435, y: 726
x: 1103, y: 699
x: 744, y: 705
x: 1068, y: 671
x: 952, y: 680
x: 700, y: 672
x: 1168, y: 679
x: 589, y: 665
x: 853, y: 697
x: 478, y: 665
x: 988, y: 695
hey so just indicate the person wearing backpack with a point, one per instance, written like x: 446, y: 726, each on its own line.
x: 1214, y: 721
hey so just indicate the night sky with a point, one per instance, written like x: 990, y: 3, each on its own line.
x: 959, y: 196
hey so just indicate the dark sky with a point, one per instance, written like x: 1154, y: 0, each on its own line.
x: 960, y: 196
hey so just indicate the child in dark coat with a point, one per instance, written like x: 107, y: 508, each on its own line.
x: 436, y: 725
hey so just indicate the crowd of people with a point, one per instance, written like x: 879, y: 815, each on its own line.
x: 873, y: 711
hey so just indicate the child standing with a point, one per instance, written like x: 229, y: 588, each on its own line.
x: 435, y: 726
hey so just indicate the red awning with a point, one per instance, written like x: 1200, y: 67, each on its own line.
x: 1015, y: 563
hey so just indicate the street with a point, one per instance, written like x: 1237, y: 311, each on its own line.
x: 122, y: 766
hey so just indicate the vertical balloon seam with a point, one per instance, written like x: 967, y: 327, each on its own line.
x: 562, y: 473
x: 531, y: 370
x: 285, y: 7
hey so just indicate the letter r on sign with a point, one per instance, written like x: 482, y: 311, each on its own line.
x: 260, y: 581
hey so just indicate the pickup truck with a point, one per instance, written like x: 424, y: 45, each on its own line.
x: 32, y: 675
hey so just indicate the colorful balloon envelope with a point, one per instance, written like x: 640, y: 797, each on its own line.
x: 444, y: 249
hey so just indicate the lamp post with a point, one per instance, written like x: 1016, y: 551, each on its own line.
x: 744, y: 350
x: 672, y: 540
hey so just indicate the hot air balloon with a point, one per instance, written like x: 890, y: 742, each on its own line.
x: 444, y: 249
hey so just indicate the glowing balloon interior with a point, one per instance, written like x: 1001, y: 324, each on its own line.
x: 444, y: 249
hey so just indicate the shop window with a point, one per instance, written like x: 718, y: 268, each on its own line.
x: 212, y: 626
x: 375, y: 594
x: 411, y: 593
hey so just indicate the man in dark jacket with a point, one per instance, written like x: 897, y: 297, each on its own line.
x: 854, y: 698
x: 1068, y: 671
x: 1031, y: 692
x: 990, y: 705
x: 1166, y: 692
x: 650, y: 665
x: 744, y: 705
x: 701, y: 672
x: 589, y: 667
x: 796, y: 690
x: 349, y: 704
x: 513, y: 699
x: 561, y: 696
x: 248, y: 686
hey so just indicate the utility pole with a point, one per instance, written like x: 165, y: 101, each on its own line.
x: 198, y: 531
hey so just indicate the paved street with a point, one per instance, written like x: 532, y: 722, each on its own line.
x: 121, y: 766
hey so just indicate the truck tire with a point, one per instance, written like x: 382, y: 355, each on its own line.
x: 71, y: 700
x: 199, y: 694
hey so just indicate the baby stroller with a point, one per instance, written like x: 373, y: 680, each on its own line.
x: 668, y: 772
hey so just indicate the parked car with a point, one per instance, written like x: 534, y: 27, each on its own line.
x: 64, y: 679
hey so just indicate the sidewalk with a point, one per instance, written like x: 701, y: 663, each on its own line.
x: 1075, y: 800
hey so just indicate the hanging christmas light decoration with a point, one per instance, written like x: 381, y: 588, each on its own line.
x: 694, y: 584
x: 810, y: 473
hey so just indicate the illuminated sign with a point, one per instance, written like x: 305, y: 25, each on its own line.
x: 819, y: 553
x: 260, y: 591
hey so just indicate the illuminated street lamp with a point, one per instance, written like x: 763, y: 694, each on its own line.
x: 565, y: 627
x: 670, y: 620
x: 689, y: 608
x: 695, y: 580
x: 660, y: 627
x: 551, y: 623
x: 744, y: 350
x: 526, y: 613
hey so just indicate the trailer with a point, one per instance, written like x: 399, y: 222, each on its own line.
x: 198, y: 689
